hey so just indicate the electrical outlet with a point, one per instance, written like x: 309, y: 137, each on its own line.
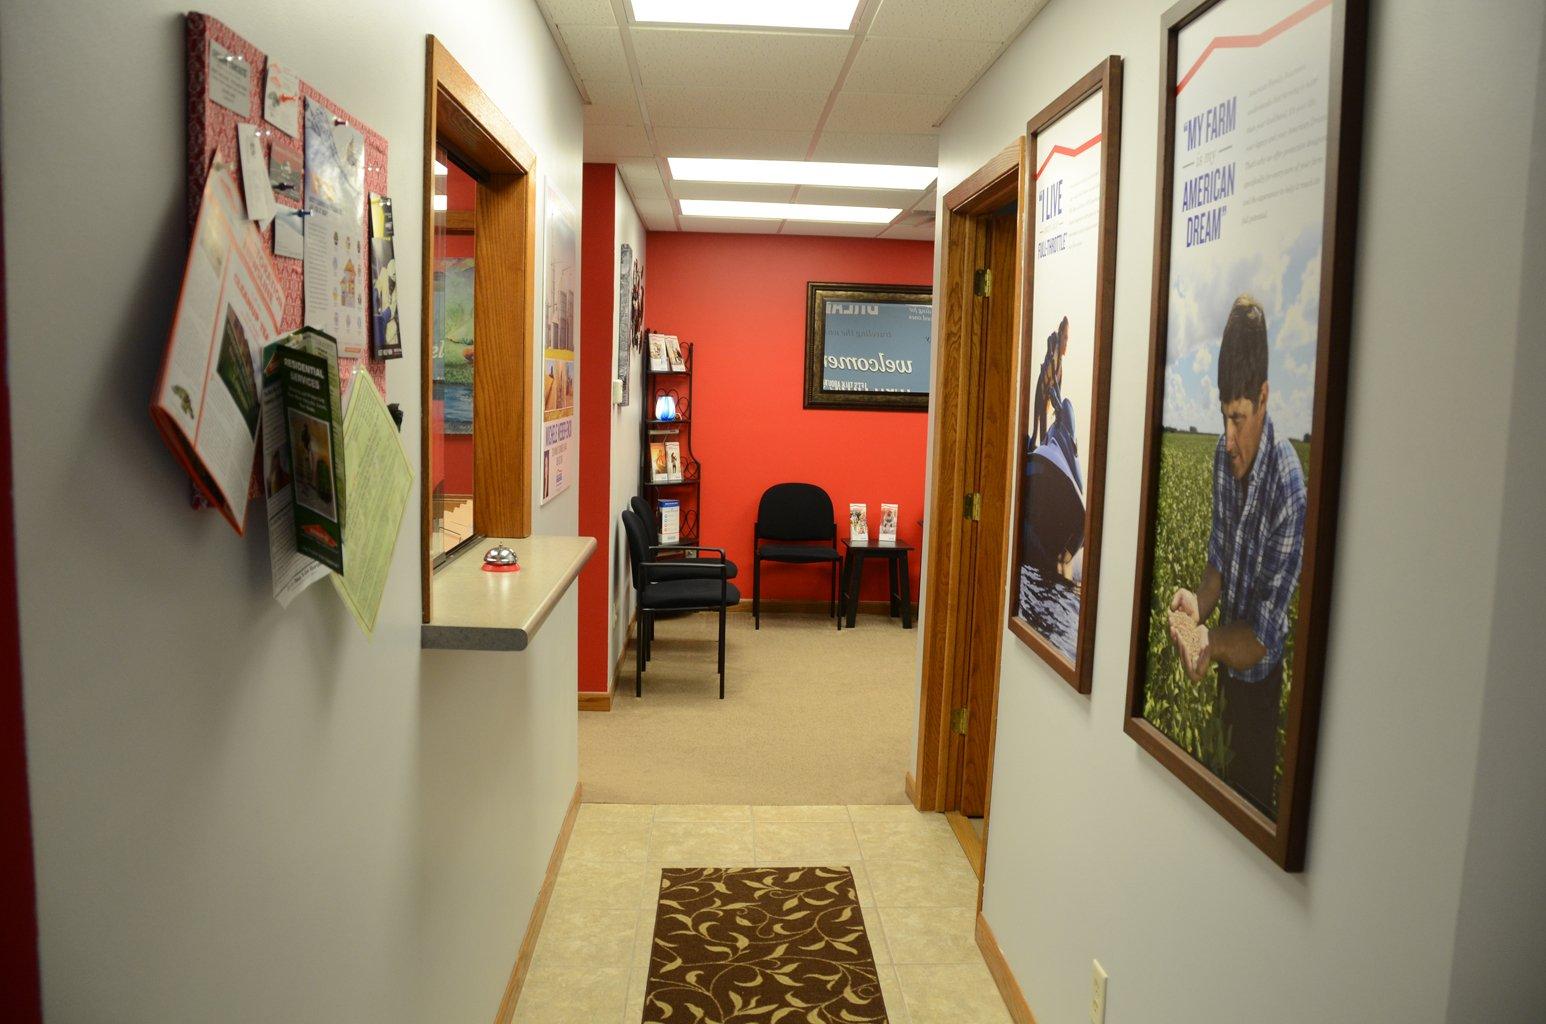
x: 1097, y: 993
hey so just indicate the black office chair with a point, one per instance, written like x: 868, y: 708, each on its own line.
x: 681, y: 595
x: 798, y: 517
x: 683, y: 568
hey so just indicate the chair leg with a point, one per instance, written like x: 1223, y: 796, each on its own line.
x: 638, y: 666
x: 721, y: 652
x: 756, y: 592
x: 832, y: 600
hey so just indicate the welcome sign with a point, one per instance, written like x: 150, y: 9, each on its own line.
x: 868, y: 346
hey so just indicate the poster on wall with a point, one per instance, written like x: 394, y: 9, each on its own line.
x: 625, y: 274
x: 1252, y: 304
x: 867, y: 346
x: 452, y: 354
x: 560, y: 288
x: 1074, y: 148
x: 335, y: 266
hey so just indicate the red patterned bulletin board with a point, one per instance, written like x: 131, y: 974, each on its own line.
x: 212, y: 129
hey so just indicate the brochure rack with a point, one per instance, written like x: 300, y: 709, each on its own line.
x: 687, y: 490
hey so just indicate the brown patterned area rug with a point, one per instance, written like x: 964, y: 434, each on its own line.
x: 770, y: 945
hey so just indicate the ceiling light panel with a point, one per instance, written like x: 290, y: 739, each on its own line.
x: 787, y: 211
x: 836, y: 15
x: 803, y: 172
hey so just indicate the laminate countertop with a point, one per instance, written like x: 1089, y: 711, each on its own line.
x: 473, y: 610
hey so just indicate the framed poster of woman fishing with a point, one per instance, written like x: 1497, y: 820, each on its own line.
x: 1074, y: 148
x: 1261, y: 111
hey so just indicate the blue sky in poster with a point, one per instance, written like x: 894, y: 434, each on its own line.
x: 877, y: 346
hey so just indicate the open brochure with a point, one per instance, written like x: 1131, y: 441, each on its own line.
x: 207, y: 402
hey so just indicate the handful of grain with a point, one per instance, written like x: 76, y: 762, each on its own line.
x: 1188, y: 632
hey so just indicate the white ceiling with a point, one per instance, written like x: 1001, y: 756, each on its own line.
x: 875, y: 93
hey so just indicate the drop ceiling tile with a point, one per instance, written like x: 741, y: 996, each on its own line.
x: 737, y: 191
x: 887, y: 112
x: 580, y: 12
x: 597, y: 52
x: 713, y: 59
x: 784, y: 110
x: 642, y: 178
x: 871, y: 148
x: 932, y: 67
x: 805, y: 227
x: 920, y: 233
x: 655, y: 210
x: 612, y: 104
x: 720, y: 225
x: 732, y: 142
x: 888, y: 198
x: 609, y: 143
x: 953, y: 19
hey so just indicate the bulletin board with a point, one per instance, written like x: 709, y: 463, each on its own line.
x: 212, y: 129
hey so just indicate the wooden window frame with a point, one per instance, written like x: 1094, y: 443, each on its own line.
x: 461, y: 116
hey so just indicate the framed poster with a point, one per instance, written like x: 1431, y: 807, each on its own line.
x: 562, y: 253
x: 1074, y: 149
x: 867, y: 346
x: 1260, y: 135
x: 627, y: 270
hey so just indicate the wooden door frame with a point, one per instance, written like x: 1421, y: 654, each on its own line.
x: 934, y: 784
x: 458, y: 113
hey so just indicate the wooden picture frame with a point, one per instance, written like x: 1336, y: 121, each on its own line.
x: 817, y: 394
x: 1054, y: 465
x: 1280, y: 833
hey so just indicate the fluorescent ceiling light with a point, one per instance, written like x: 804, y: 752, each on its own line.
x: 787, y: 211
x: 440, y: 203
x: 441, y: 170
x: 829, y: 14
x: 803, y: 172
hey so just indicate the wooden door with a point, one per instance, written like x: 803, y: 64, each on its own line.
x: 991, y: 421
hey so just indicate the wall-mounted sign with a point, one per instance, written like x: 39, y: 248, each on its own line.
x: 867, y: 346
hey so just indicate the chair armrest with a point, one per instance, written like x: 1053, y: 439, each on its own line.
x: 684, y: 547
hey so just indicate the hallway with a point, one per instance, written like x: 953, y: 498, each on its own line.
x: 916, y: 893
x: 784, y: 732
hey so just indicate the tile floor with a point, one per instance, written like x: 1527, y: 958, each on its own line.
x: 916, y: 891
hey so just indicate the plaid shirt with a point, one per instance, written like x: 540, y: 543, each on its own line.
x: 1257, y: 543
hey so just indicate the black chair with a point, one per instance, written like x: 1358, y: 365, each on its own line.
x: 681, y: 595
x: 683, y: 568
x: 797, y: 517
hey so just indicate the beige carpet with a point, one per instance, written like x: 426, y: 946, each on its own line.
x: 810, y: 716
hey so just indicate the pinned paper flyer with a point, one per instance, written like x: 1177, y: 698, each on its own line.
x: 282, y: 99
x: 255, y: 186
x: 230, y: 79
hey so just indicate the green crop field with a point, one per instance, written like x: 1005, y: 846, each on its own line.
x: 1185, y: 711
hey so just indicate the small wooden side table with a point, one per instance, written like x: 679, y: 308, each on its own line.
x: 901, y: 580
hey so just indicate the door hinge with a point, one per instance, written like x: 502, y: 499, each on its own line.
x: 971, y: 507
x: 958, y: 721
x: 982, y: 282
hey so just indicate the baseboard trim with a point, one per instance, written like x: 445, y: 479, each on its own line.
x: 910, y: 787
x: 518, y: 973
x: 590, y: 700
x: 971, y: 843
x: 1003, y: 977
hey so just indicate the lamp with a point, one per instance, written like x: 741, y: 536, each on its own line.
x: 665, y: 405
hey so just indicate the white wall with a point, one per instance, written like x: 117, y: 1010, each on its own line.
x: 242, y: 813
x: 626, y: 228
x: 1097, y: 851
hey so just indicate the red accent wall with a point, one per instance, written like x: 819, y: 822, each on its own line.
x: 598, y: 247
x: 740, y: 299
